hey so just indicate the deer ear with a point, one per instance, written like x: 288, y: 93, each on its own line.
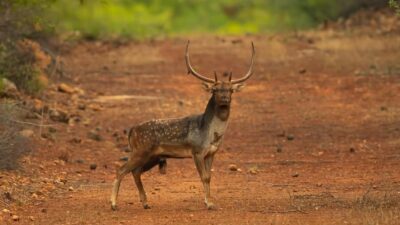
x: 237, y: 87
x: 208, y: 87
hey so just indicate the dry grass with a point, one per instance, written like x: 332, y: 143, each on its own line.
x: 12, y: 145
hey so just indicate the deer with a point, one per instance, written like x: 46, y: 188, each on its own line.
x: 195, y: 136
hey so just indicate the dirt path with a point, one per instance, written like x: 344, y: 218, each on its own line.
x: 319, y: 122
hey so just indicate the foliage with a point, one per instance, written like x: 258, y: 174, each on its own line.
x: 21, y: 19
x: 149, y: 18
x: 12, y: 145
x: 395, y: 4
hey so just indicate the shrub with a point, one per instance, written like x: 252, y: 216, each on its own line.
x: 12, y: 145
x: 22, y: 61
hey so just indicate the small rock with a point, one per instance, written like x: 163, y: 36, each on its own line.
x: 233, y: 167
x: 94, y: 136
x: 31, y: 218
x: 302, y: 71
x: 125, y: 158
x: 70, y: 188
x: 290, y: 137
x: 279, y: 149
x: 295, y: 175
x: 352, y: 150
x: 44, y: 210
x: 26, y: 133
x: 79, y: 91
x: 95, y: 107
x: 6, y: 211
x: 239, y: 170
x: 80, y: 161
x: 15, y: 218
x: 319, y: 184
x: 59, y: 115
x: 253, y: 170
x: 49, y: 136
x: 93, y: 166
x: 65, y: 88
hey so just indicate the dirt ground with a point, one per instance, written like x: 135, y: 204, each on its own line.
x: 315, y: 133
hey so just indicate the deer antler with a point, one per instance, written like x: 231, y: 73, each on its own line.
x: 250, y: 72
x: 191, y: 70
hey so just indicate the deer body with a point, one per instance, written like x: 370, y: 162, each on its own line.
x: 196, y: 136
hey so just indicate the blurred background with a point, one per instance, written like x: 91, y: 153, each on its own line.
x: 142, y: 18
x: 30, y: 25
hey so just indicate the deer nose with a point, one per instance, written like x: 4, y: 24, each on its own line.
x: 225, y: 99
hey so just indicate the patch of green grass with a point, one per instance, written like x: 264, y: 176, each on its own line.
x: 149, y: 18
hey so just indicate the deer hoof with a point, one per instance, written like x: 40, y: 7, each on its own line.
x: 114, y: 207
x: 146, y: 206
x: 163, y: 170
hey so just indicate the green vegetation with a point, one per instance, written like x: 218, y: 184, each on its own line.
x: 21, y: 60
x: 149, y: 18
x: 395, y: 4
x: 24, y: 62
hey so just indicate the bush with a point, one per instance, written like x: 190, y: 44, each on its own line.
x: 21, y: 60
x: 12, y: 145
x: 395, y: 4
x: 25, y: 64
x: 148, y: 18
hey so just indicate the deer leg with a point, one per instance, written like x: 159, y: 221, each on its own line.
x: 208, y: 164
x: 121, y: 172
x: 205, y: 177
x: 138, y: 181
x: 162, y: 166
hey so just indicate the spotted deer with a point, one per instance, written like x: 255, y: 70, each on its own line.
x: 196, y: 136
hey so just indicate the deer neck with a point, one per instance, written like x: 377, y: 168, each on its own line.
x: 214, y: 112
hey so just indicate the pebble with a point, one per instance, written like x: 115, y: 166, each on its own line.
x: 290, y: 137
x: 93, y: 166
x: 95, y: 136
x: 65, y: 88
x: 253, y: 170
x: 15, y: 218
x: 6, y: 211
x: 233, y: 167
x: 70, y: 188
x: 125, y: 158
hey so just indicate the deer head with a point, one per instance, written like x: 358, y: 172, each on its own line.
x: 221, y: 90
